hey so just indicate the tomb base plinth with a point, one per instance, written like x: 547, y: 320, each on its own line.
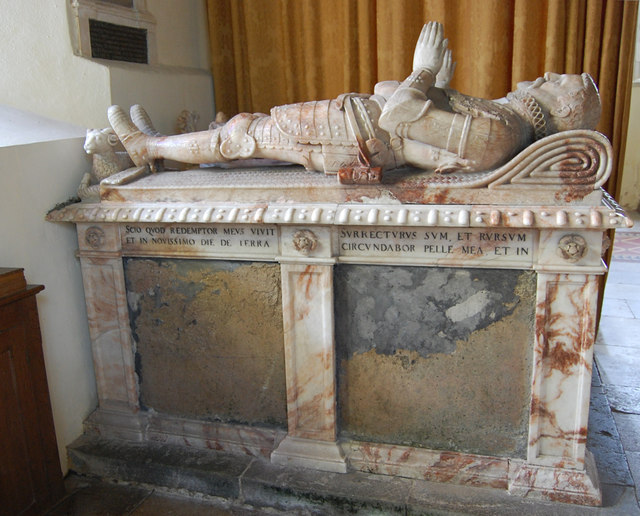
x: 310, y: 453
x: 557, y: 484
x: 424, y: 333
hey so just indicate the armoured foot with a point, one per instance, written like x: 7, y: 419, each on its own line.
x: 220, y: 120
x: 134, y: 141
x: 142, y: 120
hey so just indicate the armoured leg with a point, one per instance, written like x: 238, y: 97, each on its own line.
x: 244, y: 136
x: 236, y: 141
x: 199, y: 147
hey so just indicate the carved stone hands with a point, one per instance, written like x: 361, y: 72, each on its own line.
x: 430, y: 48
x: 446, y: 71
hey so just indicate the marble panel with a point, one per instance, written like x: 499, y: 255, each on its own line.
x: 385, y: 211
x: 465, y: 247
x: 415, y: 331
x: 194, y: 433
x: 280, y: 184
x: 576, y: 251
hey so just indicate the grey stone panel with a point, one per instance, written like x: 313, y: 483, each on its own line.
x: 435, y: 357
x: 209, y: 338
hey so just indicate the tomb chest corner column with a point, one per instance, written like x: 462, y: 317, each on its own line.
x: 558, y: 464
x: 100, y: 253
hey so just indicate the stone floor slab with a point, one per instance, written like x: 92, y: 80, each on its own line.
x: 449, y: 499
x: 623, y: 273
x: 595, y: 376
x: 624, y: 399
x: 602, y: 429
x: 619, y: 331
x: 624, y: 505
x: 603, y: 441
x: 176, y: 505
x: 330, y: 493
x: 629, y: 429
x: 621, y: 291
x: 88, y: 497
x: 618, y: 365
x: 617, y: 308
x: 634, y: 465
x: 634, y: 306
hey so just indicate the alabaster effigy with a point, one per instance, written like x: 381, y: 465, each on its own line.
x: 419, y: 122
x: 414, y: 295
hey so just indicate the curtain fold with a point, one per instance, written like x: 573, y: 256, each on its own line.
x: 271, y: 52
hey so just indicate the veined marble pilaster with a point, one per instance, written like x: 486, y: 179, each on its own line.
x: 106, y: 300
x: 565, y: 332
x: 307, y: 297
x: 558, y: 466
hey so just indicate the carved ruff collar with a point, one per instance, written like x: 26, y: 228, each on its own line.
x: 527, y: 107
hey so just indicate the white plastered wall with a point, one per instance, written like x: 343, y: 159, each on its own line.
x: 42, y: 161
x: 41, y: 73
x: 34, y: 177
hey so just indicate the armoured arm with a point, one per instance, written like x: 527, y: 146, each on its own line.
x: 421, y: 139
x: 419, y: 129
x: 409, y: 102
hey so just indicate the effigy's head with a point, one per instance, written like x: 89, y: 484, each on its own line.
x: 570, y: 101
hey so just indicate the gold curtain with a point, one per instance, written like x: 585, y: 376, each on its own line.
x: 270, y: 52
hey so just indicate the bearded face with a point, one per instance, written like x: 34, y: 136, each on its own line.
x: 570, y: 101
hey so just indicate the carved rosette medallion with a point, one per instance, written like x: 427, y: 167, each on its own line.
x: 305, y: 241
x: 94, y: 237
x: 572, y: 247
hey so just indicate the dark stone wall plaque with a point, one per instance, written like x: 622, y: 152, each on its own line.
x: 209, y: 338
x: 435, y: 357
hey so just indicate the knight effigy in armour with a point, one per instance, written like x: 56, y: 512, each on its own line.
x: 420, y: 122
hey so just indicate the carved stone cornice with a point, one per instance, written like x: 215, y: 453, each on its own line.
x: 600, y: 217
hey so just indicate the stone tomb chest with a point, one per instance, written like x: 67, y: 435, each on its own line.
x: 420, y: 329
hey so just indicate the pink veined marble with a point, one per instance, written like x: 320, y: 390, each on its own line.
x: 508, y: 184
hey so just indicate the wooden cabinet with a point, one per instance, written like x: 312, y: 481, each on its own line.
x: 30, y: 475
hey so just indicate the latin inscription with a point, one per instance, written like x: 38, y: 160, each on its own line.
x: 199, y: 239
x: 434, y: 245
x: 460, y: 245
